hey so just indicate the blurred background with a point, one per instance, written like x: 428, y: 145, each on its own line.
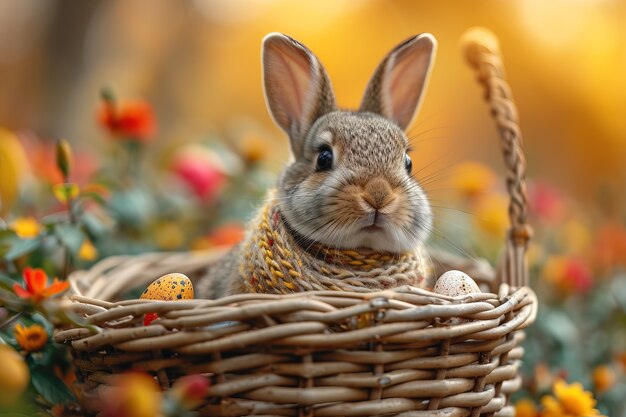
x: 198, y: 63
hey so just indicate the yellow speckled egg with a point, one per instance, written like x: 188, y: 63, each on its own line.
x: 170, y: 287
x: 454, y: 283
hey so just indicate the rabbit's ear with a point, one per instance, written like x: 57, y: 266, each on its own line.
x: 396, y: 88
x: 297, y: 88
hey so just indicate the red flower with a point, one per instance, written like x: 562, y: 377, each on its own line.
x: 190, y: 391
x: 37, y: 287
x: 133, y: 120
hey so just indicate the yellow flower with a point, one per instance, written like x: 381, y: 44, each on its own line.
x: 13, y: 167
x: 168, y: 235
x: 132, y: 395
x: 14, y: 376
x: 574, y: 236
x: 603, y: 378
x: 87, y: 251
x: 526, y: 408
x: 569, y: 401
x: 491, y: 214
x: 26, y: 227
x: 32, y: 338
x: 473, y: 178
x: 253, y: 148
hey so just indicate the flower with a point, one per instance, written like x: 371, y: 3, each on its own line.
x: 132, y: 394
x: 190, y: 391
x: 130, y: 120
x: 574, y: 236
x: 26, y: 227
x: 546, y: 203
x: 610, y: 245
x: 569, y: 401
x: 603, y: 378
x: 32, y: 338
x: 201, y: 171
x: 226, y: 235
x: 13, y: 167
x: 567, y: 274
x: 168, y: 235
x: 253, y: 148
x: 526, y: 408
x: 14, y: 377
x: 473, y: 178
x: 491, y: 214
x: 87, y: 251
x: 37, y: 288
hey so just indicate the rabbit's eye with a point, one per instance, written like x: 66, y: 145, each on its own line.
x: 408, y: 164
x: 324, y: 159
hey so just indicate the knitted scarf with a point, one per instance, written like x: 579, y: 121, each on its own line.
x: 275, y: 263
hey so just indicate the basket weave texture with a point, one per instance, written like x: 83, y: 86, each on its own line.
x: 402, y: 352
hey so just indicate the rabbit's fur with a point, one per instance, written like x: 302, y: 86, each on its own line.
x: 367, y: 198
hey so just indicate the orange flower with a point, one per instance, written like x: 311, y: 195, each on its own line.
x: 132, y: 394
x: 32, y: 338
x: 610, y: 245
x: 569, y: 401
x: 491, y: 214
x: 132, y: 120
x: 37, y: 287
x: 603, y: 378
x: 568, y: 274
x: 526, y: 408
x: 473, y: 178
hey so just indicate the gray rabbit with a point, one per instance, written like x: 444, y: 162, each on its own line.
x: 349, y: 185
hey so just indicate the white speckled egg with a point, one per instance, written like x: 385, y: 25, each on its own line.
x: 169, y: 287
x: 454, y: 283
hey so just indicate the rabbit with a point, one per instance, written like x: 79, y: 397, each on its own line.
x: 349, y: 184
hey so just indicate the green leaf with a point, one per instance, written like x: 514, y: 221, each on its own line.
x: 51, y: 388
x: 21, y: 247
x: 94, y: 226
x: 70, y: 236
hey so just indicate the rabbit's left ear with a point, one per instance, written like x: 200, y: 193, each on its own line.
x: 396, y: 88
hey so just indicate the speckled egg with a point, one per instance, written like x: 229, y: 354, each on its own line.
x: 170, y: 287
x: 454, y: 283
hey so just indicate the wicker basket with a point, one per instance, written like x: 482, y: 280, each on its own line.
x: 402, y: 352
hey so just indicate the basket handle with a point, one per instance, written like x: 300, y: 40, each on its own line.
x: 482, y: 51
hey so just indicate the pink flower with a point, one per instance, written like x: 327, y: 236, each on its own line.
x: 546, y: 202
x: 199, y: 169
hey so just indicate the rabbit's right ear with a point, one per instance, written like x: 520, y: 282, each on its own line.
x: 297, y: 88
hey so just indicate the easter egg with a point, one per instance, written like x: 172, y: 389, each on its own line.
x: 170, y: 287
x: 454, y: 283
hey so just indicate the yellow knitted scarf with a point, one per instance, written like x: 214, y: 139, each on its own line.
x: 274, y: 262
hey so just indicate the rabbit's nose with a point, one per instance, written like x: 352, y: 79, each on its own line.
x: 378, y: 194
